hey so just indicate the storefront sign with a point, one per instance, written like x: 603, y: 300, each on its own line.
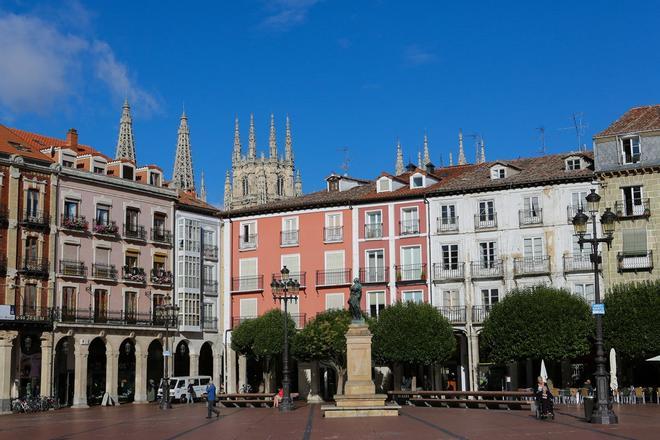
x: 7, y: 312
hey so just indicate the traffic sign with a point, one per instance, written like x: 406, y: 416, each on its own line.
x: 598, y: 309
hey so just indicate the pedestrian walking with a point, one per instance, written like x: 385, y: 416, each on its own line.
x: 191, y: 394
x: 210, y: 400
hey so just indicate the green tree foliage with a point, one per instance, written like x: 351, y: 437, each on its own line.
x: 412, y: 333
x: 631, y: 323
x: 324, y: 340
x: 540, y: 323
x: 263, y: 339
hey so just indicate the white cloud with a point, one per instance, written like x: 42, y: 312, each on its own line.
x: 414, y: 55
x: 284, y: 14
x: 44, y: 66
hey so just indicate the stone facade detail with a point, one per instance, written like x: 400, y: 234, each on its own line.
x: 126, y: 142
x: 183, y: 176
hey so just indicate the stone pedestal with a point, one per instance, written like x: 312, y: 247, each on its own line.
x: 359, y: 398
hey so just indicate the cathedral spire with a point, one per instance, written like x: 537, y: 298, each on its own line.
x: 461, y: 151
x: 288, y: 144
x: 451, y: 159
x: 427, y: 156
x: 252, y: 140
x: 298, y: 184
x: 227, y: 204
x: 272, y: 141
x: 482, y: 153
x: 419, y: 160
x: 183, y: 177
x: 399, y: 159
x: 236, y: 157
x: 126, y: 143
x: 202, y: 189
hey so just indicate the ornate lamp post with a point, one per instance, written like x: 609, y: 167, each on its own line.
x: 169, y: 313
x: 602, y: 413
x: 285, y: 290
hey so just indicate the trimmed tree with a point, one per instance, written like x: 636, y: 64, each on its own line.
x: 324, y: 340
x: 538, y: 323
x: 409, y: 333
x: 631, y: 323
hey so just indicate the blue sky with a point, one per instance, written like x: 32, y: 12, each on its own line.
x: 351, y: 74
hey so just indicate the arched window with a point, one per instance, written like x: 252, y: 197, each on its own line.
x: 246, y: 187
x: 280, y: 186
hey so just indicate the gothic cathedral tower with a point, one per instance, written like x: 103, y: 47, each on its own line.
x: 256, y: 180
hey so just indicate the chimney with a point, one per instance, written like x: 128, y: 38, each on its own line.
x: 430, y: 168
x: 72, y: 138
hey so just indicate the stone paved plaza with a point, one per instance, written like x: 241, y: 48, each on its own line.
x: 188, y: 422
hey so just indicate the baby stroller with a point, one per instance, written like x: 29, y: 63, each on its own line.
x: 544, y: 404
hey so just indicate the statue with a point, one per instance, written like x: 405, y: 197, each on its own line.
x: 354, y: 301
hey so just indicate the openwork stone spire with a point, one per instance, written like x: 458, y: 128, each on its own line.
x: 202, y: 189
x: 227, y: 191
x: 272, y: 140
x: 183, y: 176
x: 451, y: 159
x: 236, y: 156
x: 126, y: 143
x: 482, y: 153
x: 298, y: 184
x: 288, y: 143
x: 399, y: 159
x: 419, y: 160
x: 461, y: 151
x: 427, y: 156
x: 252, y: 140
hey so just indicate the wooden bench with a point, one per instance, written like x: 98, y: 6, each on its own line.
x: 465, y: 399
x: 247, y: 400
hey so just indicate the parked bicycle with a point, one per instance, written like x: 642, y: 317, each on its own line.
x: 34, y: 404
x: 246, y: 388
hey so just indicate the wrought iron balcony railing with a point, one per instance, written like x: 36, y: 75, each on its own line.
x: 111, y: 317
x: 210, y: 324
x: 300, y: 319
x: 374, y: 275
x: 333, y: 277
x: 104, y: 271
x: 247, y: 283
x: 210, y: 252
x: 32, y: 313
x: 411, y: 273
x: 447, y: 224
x: 409, y: 227
x: 108, y: 228
x: 161, y: 277
x: 633, y: 208
x: 134, y: 232
x: 635, y: 262
x: 571, y: 210
x: 454, y: 314
x: 578, y: 263
x: 480, y: 313
x: 530, y: 217
x: 485, y: 221
x: 531, y: 266
x: 161, y: 236
x: 70, y: 268
x: 210, y: 287
x: 289, y: 238
x: 373, y: 230
x: 487, y: 268
x: 333, y: 234
x: 74, y: 222
x: 300, y: 276
x: 448, y: 271
x: 135, y: 275
x: 34, y: 266
x: 247, y: 241
x: 34, y: 219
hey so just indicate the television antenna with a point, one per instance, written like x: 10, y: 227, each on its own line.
x: 347, y: 160
x: 541, y: 131
x: 578, y: 126
x: 477, y: 144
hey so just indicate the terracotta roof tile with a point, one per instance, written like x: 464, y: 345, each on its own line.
x: 11, y: 143
x: 41, y: 142
x: 636, y: 119
x: 188, y: 199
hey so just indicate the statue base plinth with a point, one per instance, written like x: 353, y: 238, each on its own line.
x: 359, y: 398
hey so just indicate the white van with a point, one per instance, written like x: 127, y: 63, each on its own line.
x: 179, y: 387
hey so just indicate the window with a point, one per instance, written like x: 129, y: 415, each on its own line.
x: 586, y: 249
x: 248, y: 237
x: 130, y: 305
x: 154, y: 179
x: 191, y: 234
x: 335, y: 272
x: 70, y: 209
x: 99, y: 170
x: 451, y: 298
x: 416, y: 296
x: 533, y: 248
x: 209, y: 313
x: 487, y: 254
x: 579, y: 201
x: 246, y: 186
x: 586, y: 291
x: 248, y: 308
x: 248, y: 274
x: 384, y: 184
x: 630, y: 150
x: 159, y: 224
x: 490, y: 297
x: 334, y: 301
x: 132, y: 219
x: 30, y: 299
x: 409, y: 221
x: 486, y: 211
x: 290, y: 231
x: 632, y: 201
x: 292, y: 262
x: 418, y: 181
x: 531, y: 206
x: 374, y: 225
x: 448, y: 214
x: 159, y: 263
x: 69, y: 263
x: 375, y: 270
x: 100, y: 305
x: 573, y: 164
x: 376, y: 303
x: 68, y: 300
x: 102, y: 215
x: 449, y: 256
x: 131, y: 259
x: 32, y: 203
x: 411, y: 264
x: 497, y: 173
x: 333, y: 185
x: 634, y: 242
x: 31, y: 249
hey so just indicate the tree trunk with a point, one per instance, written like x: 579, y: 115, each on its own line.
x: 341, y: 374
x: 397, y: 373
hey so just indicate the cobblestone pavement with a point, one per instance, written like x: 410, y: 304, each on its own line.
x: 146, y: 422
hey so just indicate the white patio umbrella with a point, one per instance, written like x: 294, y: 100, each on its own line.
x: 614, y: 384
x: 544, y: 372
x: 654, y: 359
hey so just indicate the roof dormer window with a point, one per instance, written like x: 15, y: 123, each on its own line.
x: 417, y: 181
x: 631, y: 150
x: 127, y: 172
x: 384, y: 184
x: 498, y: 173
x: 154, y: 179
x: 573, y: 163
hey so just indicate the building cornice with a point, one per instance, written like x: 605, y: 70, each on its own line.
x: 119, y: 183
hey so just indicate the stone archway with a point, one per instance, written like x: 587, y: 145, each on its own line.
x: 206, y: 360
x: 182, y: 359
x: 96, y: 371
x: 64, y: 370
x: 126, y: 371
x: 155, y: 368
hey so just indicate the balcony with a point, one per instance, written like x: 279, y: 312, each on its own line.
x: 578, y: 263
x: 35, y: 267
x: 485, y: 221
x: 487, y: 269
x: 70, y: 268
x: 210, y: 287
x: 448, y: 272
x: 111, y: 317
x: 533, y: 217
x: 640, y: 208
x: 301, y: 277
x: 411, y: 274
x: 289, y: 238
x: 409, y: 227
x: 454, y: 314
x: 373, y: 230
x: 210, y: 252
x: 108, y: 229
x: 161, y: 236
x: 133, y: 275
x: 134, y: 232
x: 571, y: 210
x: 253, y: 283
x: 300, y: 319
x: 246, y: 242
x: 35, y: 219
x: 334, y: 277
x: 531, y: 266
x: 161, y: 277
x: 75, y: 223
x: 374, y: 275
x: 333, y: 234
x: 447, y: 224
x: 238, y: 320
x: 23, y: 312
x: 104, y: 272
x: 480, y: 313
x: 210, y: 324
x: 635, y: 262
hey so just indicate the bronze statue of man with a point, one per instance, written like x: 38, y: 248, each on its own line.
x: 354, y: 300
